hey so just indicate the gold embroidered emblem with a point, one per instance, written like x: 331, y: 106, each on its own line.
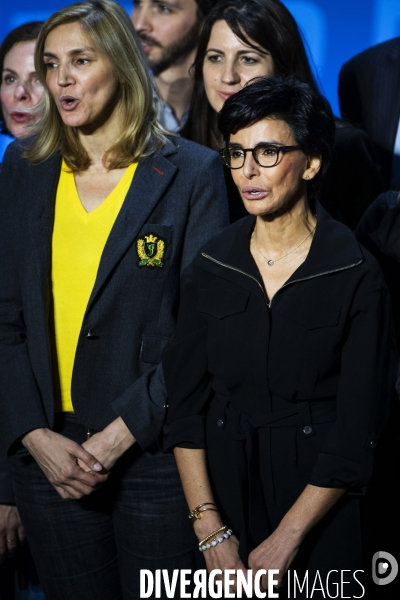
x: 151, y: 251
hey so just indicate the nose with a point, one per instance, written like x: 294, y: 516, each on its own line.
x: 64, y: 77
x: 250, y: 168
x: 230, y: 74
x: 22, y: 91
x: 141, y: 19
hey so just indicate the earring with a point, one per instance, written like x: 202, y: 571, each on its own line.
x: 307, y: 177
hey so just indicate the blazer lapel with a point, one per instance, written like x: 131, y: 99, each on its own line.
x: 152, y: 177
x: 387, y: 97
x: 43, y: 180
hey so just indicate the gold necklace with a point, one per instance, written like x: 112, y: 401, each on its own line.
x: 271, y: 262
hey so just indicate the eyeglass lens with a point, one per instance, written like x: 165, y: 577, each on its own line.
x: 265, y: 154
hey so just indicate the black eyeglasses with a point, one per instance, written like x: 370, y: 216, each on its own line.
x: 265, y: 155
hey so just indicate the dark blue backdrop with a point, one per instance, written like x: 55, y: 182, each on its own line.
x: 335, y: 30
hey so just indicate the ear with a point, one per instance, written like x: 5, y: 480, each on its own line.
x: 313, y: 166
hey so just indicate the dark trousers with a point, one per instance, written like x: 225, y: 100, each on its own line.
x: 94, y: 548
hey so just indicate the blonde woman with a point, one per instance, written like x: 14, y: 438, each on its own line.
x: 100, y: 213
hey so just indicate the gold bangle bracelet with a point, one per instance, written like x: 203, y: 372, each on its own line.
x: 194, y: 514
x: 224, y: 529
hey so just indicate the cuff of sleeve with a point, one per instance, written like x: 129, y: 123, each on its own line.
x: 188, y: 432
x: 334, y: 471
x: 144, y: 422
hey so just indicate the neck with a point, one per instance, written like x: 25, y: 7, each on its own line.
x: 285, y: 230
x: 99, y: 138
x: 175, y: 86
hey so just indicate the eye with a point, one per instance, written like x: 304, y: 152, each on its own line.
x: 163, y: 8
x: 9, y: 79
x: 214, y: 58
x: 249, y: 60
x: 267, y: 151
x: 235, y: 153
x: 82, y: 61
x: 50, y: 65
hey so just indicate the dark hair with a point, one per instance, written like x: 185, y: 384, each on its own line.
x: 28, y: 32
x: 272, y: 27
x: 204, y: 7
x: 307, y: 113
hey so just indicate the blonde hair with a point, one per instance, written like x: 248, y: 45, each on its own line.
x: 111, y: 31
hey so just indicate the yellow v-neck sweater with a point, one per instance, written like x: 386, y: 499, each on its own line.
x: 78, y: 242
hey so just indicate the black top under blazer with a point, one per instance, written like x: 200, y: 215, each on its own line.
x: 302, y: 383
x: 177, y: 194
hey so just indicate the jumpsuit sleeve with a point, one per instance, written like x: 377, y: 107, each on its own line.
x: 368, y: 372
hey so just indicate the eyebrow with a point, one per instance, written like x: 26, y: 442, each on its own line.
x: 269, y: 143
x: 71, y: 52
x: 12, y: 72
x: 264, y: 53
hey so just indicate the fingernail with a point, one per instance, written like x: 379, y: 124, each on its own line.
x: 98, y: 467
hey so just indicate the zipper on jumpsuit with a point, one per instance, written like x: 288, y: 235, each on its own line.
x: 218, y: 262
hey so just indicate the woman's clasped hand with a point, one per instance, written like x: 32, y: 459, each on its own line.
x: 72, y: 470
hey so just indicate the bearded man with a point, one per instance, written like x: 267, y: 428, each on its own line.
x: 169, y: 32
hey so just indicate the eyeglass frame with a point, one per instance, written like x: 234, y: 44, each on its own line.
x: 280, y: 149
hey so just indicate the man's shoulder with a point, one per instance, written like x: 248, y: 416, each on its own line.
x: 390, y: 48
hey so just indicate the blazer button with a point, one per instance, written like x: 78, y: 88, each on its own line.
x: 220, y: 423
x: 307, y: 430
x: 373, y: 444
x: 89, y: 335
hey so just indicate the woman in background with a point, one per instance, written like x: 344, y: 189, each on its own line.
x: 243, y: 39
x: 20, y: 87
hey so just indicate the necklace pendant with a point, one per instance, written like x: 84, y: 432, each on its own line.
x: 270, y: 263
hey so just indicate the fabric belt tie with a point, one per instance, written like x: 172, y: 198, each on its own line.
x: 243, y: 430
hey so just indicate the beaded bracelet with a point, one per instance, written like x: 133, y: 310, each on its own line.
x: 209, y: 537
x: 219, y: 540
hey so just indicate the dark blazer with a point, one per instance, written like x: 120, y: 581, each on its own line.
x: 379, y: 232
x: 177, y: 195
x: 369, y: 96
x: 308, y: 377
x: 353, y: 179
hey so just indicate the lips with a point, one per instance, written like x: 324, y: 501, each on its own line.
x: 20, y: 116
x: 148, y: 43
x: 226, y: 95
x: 254, y: 193
x: 68, y: 102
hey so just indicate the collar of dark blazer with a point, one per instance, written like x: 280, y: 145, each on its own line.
x: 153, y: 175
x: 334, y: 248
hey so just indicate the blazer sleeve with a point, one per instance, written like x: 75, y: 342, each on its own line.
x: 143, y: 405
x: 366, y: 386
x: 18, y: 387
x: 189, y: 390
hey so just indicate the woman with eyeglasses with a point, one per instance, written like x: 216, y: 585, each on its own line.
x: 244, y: 39
x: 281, y: 374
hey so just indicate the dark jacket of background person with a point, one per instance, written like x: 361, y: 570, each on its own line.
x: 369, y: 96
x: 353, y: 179
x: 311, y: 374
x: 379, y: 232
x: 131, y: 313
